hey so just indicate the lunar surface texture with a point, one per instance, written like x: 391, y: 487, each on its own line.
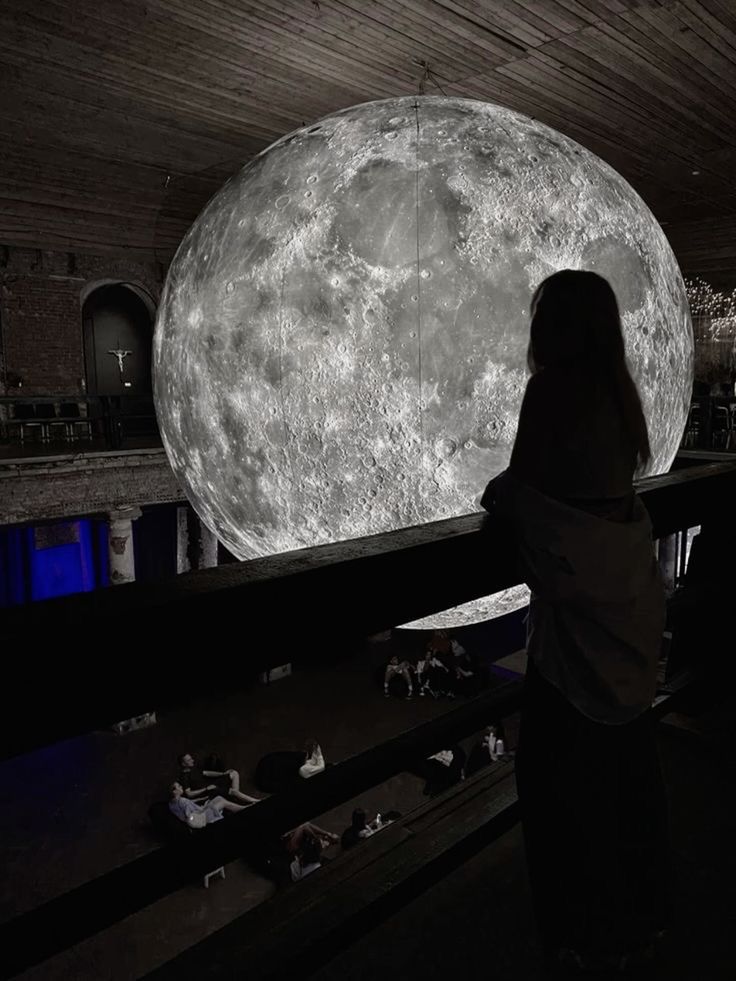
x: 340, y: 348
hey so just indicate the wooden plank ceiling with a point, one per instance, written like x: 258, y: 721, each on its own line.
x: 119, y: 119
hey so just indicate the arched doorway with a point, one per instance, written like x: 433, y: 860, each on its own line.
x: 118, y: 335
x: 117, y: 342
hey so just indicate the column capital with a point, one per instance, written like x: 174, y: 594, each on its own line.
x: 125, y: 513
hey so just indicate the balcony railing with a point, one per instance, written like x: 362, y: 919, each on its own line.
x: 361, y: 587
x: 50, y: 424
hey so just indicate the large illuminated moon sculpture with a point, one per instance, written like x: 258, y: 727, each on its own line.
x: 340, y: 347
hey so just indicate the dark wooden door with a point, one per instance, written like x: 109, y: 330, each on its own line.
x: 117, y: 342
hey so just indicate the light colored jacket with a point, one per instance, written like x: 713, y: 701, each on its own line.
x: 597, y: 611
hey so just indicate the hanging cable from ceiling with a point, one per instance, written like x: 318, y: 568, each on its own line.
x: 427, y: 76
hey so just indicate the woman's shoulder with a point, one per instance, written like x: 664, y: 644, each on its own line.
x: 542, y: 388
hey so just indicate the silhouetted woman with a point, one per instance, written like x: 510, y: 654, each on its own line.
x: 593, y: 804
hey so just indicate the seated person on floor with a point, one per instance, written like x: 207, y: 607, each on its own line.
x: 433, y: 676
x: 308, y: 859
x: 360, y: 828
x: 198, y: 786
x: 198, y: 815
x: 490, y: 748
x: 466, y: 680
x: 293, y: 840
x: 272, y: 856
x: 440, y: 643
x: 397, y: 669
x: 282, y: 770
x: 314, y: 761
x: 443, y: 769
x: 494, y: 741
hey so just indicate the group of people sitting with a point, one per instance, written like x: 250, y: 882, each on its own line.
x: 447, y: 767
x: 444, y: 669
x: 201, y: 795
x: 305, y: 845
x: 301, y: 851
x: 360, y: 828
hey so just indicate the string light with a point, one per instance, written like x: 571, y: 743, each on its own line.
x: 713, y: 312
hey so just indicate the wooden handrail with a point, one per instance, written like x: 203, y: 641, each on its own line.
x: 375, y: 582
x: 96, y: 658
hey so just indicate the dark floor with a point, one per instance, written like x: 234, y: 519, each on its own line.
x: 73, y: 811
x: 476, y: 923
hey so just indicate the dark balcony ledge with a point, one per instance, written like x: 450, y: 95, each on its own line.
x: 72, y: 485
x: 281, y: 603
x: 247, y: 615
x: 31, y: 462
x: 14, y: 452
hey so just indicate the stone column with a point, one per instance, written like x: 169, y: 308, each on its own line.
x: 207, y: 548
x: 122, y: 557
x: 668, y: 561
x: 196, y: 545
x: 182, y: 540
x: 122, y: 569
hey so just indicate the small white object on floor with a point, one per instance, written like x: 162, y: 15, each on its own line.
x: 208, y: 876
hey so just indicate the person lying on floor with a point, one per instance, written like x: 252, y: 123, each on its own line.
x: 198, y: 815
x: 196, y: 786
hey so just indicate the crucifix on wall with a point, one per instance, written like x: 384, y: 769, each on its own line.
x: 120, y: 355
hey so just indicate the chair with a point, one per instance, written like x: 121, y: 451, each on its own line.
x: 25, y: 412
x: 69, y: 412
x: 208, y: 875
x: 721, y: 434
x: 692, y: 429
x: 45, y: 412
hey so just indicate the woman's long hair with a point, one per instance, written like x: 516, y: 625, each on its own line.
x: 575, y: 320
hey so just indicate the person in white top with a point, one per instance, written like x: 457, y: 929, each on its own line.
x: 308, y: 860
x: 494, y: 743
x: 360, y: 828
x: 314, y: 761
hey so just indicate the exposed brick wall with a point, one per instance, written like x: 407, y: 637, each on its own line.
x: 61, y: 487
x: 41, y: 313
